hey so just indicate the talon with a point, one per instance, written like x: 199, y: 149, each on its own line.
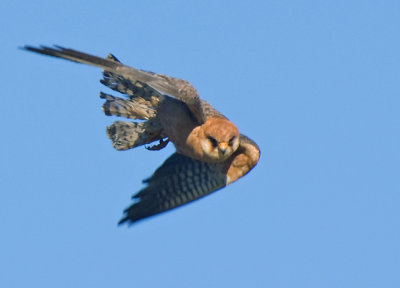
x: 161, y: 144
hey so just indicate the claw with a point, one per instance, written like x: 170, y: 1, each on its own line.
x: 161, y: 144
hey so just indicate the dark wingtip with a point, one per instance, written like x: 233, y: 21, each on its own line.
x: 45, y: 50
x: 122, y: 221
x: 129, y: 222
x: 28, y: 48
x: 125, y: 219
x: 25, y: 47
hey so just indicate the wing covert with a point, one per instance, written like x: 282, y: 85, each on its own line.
x: 173, y: 87
x: 179, y: 180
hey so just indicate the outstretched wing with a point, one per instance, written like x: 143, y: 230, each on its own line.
x: 174, y: 87
x: 180, y: 180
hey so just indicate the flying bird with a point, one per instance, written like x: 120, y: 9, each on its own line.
x: 210, y: 151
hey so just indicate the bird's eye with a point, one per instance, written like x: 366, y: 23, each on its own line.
x: 231, y: 140
x: 213, y: 141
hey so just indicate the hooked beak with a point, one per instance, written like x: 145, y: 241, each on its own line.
x: 222, y: 147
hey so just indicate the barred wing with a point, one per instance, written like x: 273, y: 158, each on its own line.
x: 179, y: 180
x: 174, y: 87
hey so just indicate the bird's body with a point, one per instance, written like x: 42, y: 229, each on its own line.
x: 210, y: 152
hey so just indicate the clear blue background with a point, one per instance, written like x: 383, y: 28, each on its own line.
x: 314, y: 83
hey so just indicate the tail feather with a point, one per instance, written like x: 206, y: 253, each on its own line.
x: 133, y: 89
x: 110, y: 63
x: 136, y: 108
x: 141, y: 87
x: 127, y: 135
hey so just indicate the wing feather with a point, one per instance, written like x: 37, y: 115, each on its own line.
x: 180, y: 180
x: 174, y: 87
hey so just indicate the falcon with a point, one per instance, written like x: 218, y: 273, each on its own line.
x: 210, y: 151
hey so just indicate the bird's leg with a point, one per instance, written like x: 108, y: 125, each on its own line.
x: 160, y: 145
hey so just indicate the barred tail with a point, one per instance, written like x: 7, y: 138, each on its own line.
x: 136, y: 108
x: 129, y: 87
x: 127, y: 135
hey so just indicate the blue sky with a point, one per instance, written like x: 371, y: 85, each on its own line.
x: 314, y: 83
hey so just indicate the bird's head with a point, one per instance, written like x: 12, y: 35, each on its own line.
x: 220, y: 139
